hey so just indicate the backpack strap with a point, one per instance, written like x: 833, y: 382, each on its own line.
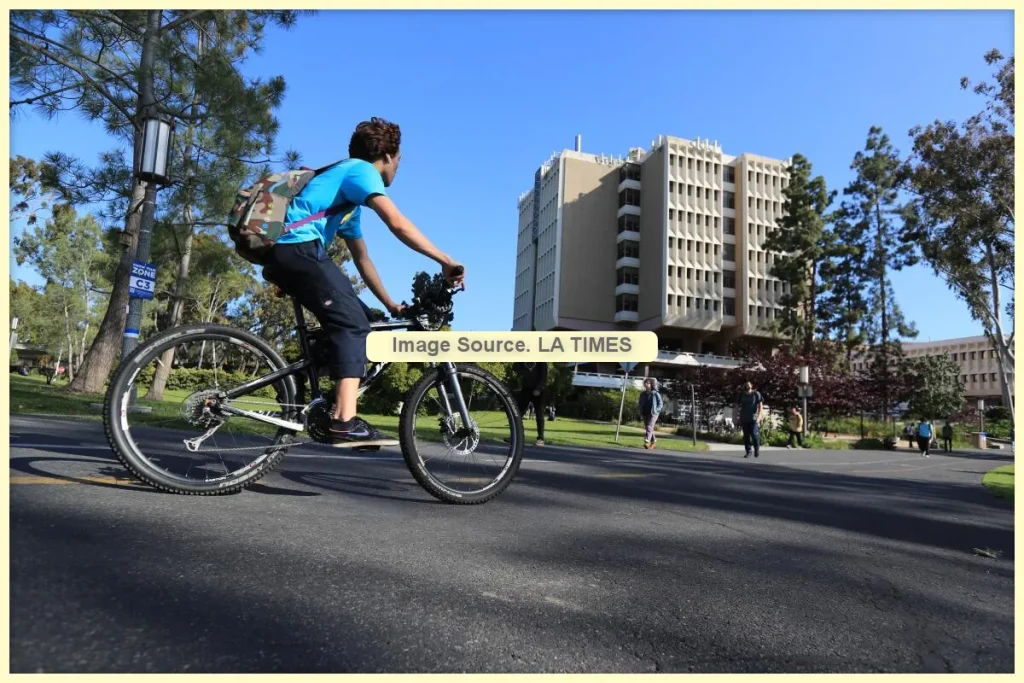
x: 330, y: 211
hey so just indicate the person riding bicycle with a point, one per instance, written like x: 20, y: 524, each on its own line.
x: 298, y: 263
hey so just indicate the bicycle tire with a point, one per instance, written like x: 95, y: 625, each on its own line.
x: 412, y: 460
x: 124, y: 447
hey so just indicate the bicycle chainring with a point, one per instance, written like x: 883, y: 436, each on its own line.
x: 318, y: 421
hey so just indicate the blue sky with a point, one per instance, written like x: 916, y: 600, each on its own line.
x: 484, y: 97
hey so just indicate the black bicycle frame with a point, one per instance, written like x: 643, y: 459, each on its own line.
x: 446, y: 374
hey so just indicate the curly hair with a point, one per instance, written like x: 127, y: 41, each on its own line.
x: 374, y: 139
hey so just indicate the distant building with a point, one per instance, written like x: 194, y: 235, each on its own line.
x: 668, y: 239
x: 976, y: 356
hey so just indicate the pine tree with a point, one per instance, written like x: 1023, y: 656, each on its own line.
x: 115, y: 68
x: 802, y: 244
x: 877, y: 221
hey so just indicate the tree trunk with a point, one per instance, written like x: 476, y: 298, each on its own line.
x: 106, y: 346
x: 60, y: 354
x: 880, y: 255
x: 1004, y: 352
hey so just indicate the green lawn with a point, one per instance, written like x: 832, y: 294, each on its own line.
x: 1000, y: 481
x: 32, y: 395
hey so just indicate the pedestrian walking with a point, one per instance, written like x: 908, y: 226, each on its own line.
x: 947, y: 437
x: 795, y: 427
x: 924, y: 437
x: 751, y: 407
x: 651, y: 404
x: 533, y: 390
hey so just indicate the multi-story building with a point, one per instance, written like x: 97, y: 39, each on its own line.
x: 976, y: 356
x: 668, y: 239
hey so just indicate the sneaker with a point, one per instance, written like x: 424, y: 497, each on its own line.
x: 357, y: 432
x: 788, y: 447
x: 538, y: 442
x: 746, y: 455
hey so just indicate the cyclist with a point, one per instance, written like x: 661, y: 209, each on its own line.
x: 298, y: 263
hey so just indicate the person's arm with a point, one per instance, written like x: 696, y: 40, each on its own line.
x: 368, y: 271
x: 403, y: 228
x: 760, y: 406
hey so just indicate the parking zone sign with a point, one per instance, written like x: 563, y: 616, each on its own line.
x: 143, y: 280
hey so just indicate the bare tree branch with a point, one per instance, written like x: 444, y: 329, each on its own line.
x: 99, y: 86
x: 31, y: 100
x: 188, y: 16
x: 78, y: 54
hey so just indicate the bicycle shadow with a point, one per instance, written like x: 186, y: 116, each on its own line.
x: 372, y: 487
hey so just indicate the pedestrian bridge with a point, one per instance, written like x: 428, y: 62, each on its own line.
x: 665, y: 357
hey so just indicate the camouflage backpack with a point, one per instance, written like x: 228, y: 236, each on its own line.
x: 257, y: 220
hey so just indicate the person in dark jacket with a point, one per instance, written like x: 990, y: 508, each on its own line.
x: 651, y: 404
x: 533, y: 389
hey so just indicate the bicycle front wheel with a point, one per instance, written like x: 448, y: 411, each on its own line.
x: 456, y: 463
x: 163, y: 417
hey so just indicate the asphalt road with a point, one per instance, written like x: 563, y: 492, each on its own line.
x: 592, y: 561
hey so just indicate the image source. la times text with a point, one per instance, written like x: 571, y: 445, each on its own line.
x: 511, y: 346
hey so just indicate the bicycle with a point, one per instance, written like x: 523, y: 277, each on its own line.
x: 212, y: 408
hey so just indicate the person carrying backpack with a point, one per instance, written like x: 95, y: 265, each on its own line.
x: 924, y: 437
x: 286, y: 222
x: 651, y: 405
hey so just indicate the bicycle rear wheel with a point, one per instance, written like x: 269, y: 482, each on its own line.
x: 462, y: 464
x: 177, y: 377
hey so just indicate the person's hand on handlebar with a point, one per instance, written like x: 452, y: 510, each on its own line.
x: 454, y: 273
x: 397, y: 310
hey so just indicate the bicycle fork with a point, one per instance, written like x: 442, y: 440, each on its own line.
x: 448, y: 382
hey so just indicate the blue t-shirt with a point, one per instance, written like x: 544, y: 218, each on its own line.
x: 352, y: 182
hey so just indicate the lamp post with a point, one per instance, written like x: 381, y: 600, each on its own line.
x: 151, y: 168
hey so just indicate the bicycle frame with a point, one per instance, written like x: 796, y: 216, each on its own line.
x: 306, y: 366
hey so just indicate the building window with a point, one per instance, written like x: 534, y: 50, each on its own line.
x: 689, y: 190
x: 716, y: 222
x: 672, y: 187
x: 716, y: 196
x: 699, y: 166
x: 629, y: 222
x: 671, y: 214
x: 729, y: 226
x: 671, y: 242
x: 750, y: 202
x: 626, y: 302
x: 689, y: 218
x: 729, y: 252
x: 730, y: 174
x: 629, y: 249
x: 689, y: 163
x: 629, y: 197
x: 729, y: 306
x: 631, y: 276
x: 715, y: 306
x: 714, y: 276
x: 729, y: 279
x: 750, y: 177
x: 729, y: 200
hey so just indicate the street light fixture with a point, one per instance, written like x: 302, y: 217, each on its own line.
x: 155, y: 148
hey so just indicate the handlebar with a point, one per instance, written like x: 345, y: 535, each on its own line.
x: 436, y: 300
